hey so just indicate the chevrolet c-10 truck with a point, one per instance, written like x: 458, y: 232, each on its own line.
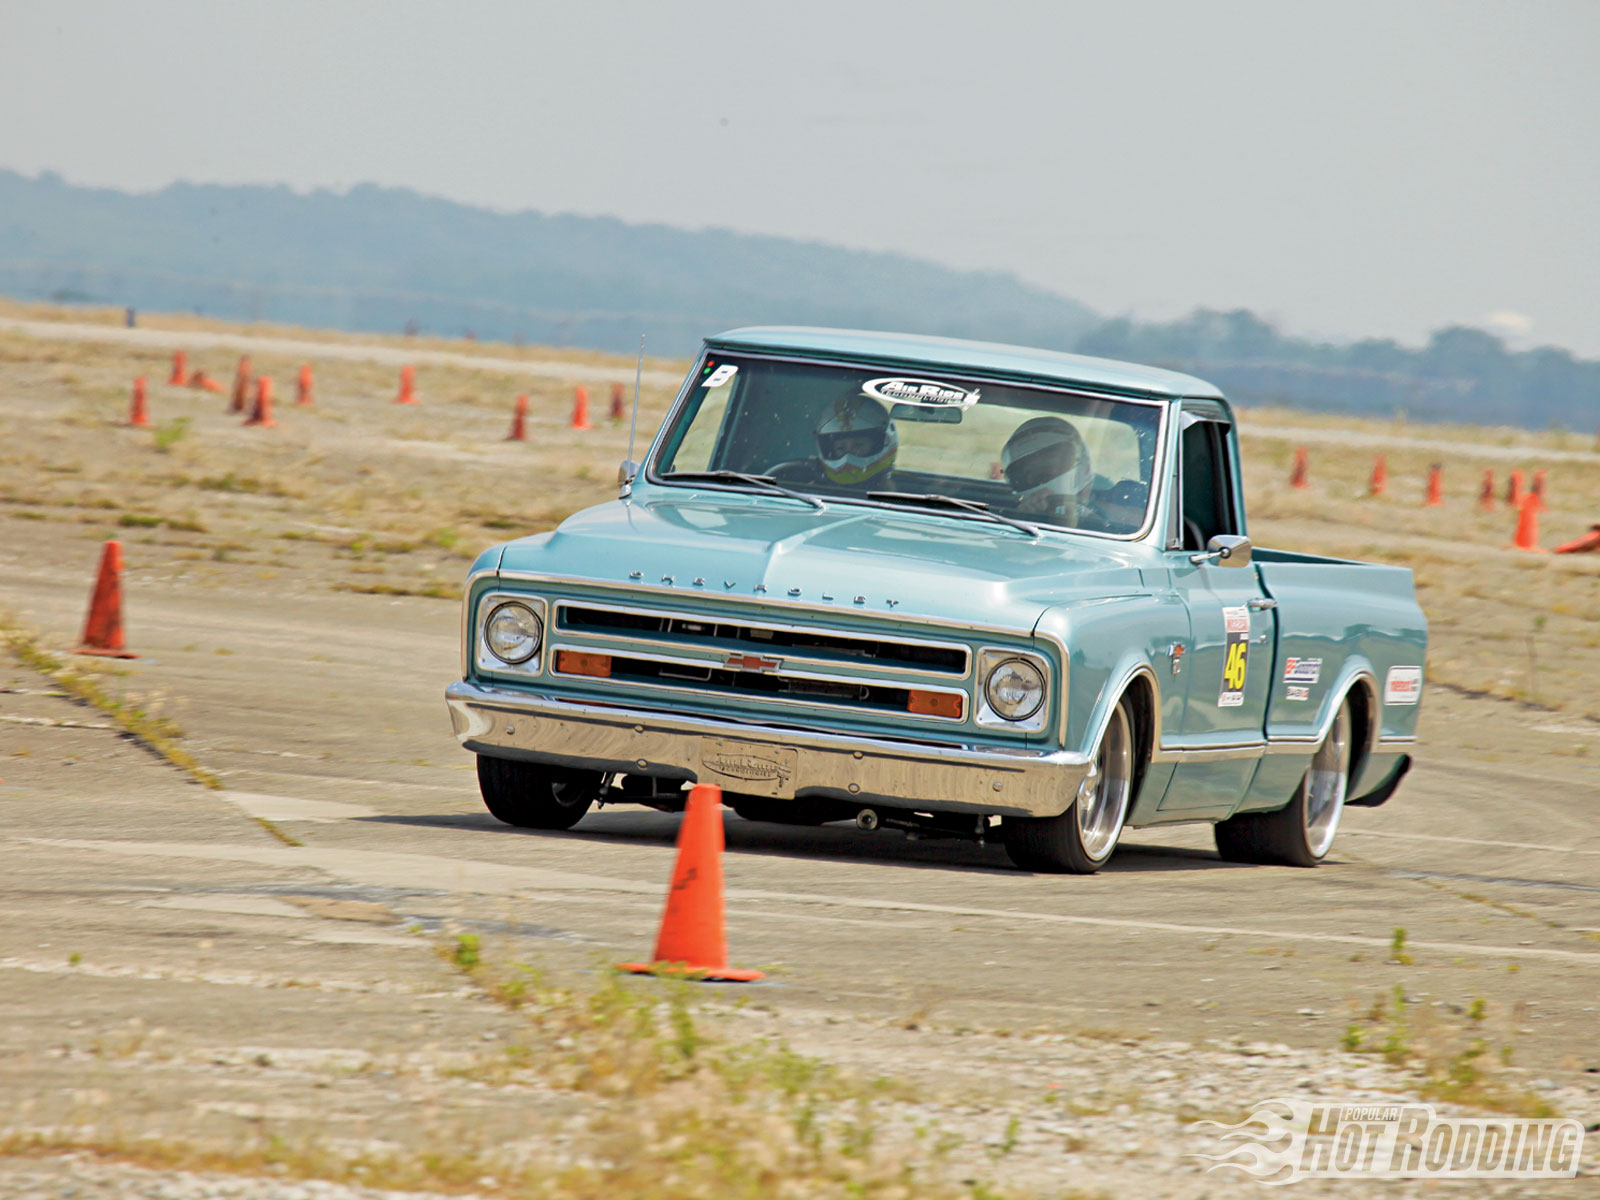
x: 934, y: 585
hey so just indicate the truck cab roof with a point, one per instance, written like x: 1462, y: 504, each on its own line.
x: 993, y: 358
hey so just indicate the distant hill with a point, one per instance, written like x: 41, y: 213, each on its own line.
x: 382, y: 259
x: 379, y: 259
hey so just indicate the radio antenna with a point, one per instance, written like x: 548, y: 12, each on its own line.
x: 638, y: 373
x: 629, y: 468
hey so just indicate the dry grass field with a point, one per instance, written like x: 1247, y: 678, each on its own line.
x: 359, y: 493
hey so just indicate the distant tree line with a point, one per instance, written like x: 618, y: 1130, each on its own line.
x: 385, y: 259
x: 1462, y: 374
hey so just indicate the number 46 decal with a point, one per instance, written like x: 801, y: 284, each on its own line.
x: 1236, y: 658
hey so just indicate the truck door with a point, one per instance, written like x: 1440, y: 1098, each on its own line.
x: 1232, y: 628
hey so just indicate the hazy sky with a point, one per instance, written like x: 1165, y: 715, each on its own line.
x: 1345, y: 168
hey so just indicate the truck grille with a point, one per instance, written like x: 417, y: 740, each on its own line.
x: 776, y: 662
x: 795, y: 641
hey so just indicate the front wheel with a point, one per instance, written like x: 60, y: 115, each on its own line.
x: 1080, y: 840
x: 1299, y: 834
x: 535, y: 796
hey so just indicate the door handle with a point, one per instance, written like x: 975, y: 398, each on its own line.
x: 1263, y: 603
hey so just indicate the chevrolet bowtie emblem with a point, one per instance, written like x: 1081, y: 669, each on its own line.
x: 752, y: 662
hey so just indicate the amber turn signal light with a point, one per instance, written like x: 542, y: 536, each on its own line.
x: 575, y: 662
x: 934, y: 704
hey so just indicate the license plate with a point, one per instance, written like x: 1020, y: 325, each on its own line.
x: 748, y: 767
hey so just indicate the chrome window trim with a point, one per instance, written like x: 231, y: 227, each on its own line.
x: 779, y: 651
x: 987, y: 660
x: 819, y: 704
x: 484, y: 659
x: 1157, y: 467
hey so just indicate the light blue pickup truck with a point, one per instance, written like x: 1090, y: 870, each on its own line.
x: 934, y: 585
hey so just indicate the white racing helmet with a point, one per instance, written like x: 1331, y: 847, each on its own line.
x: 856, y: 440
x: 1046, y: 456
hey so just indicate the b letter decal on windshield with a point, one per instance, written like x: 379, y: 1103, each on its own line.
x: 721, y: 375
x: 1235, y: 656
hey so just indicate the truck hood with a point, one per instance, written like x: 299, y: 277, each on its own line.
x: 932, y: 567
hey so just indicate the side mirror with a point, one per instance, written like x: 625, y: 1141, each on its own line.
x: 1226, y: 550
x: 625, y: 475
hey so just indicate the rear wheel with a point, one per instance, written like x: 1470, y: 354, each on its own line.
x: 1080, y: 840
x: 536, y: 796
x: 1301, y: 833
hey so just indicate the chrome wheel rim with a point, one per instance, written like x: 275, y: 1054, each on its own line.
x: 1326, y: 781
x: 1103, y: 796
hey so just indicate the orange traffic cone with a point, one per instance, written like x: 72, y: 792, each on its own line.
x: 261, y: 414
x: 1297, y: 478
x: 408, y: 386
x: 1538, y: 488
x: 580, y: 408
x: 1589, y: 543
x: 1486, y: 492
x: 241, y: 385
x: 617, y: 413
x: 1514, y: 490
x: 102, y: 629
x: 519, y: 422
x: 1527, y: 535
x: 303, y: 397
x: 139, y: 408
x: 203, y: 381
x: 180, y: 369
x: 1435, y: 485
x: 692, y: 942
x: 996, y: 471
x: 1380, y: 477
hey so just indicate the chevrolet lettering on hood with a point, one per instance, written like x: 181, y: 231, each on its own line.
x: 955, y: 589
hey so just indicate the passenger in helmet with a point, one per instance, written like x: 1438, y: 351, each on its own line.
x: 1047, y: 463
x: 857, y: 442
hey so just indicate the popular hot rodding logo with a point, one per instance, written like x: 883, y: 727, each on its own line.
x: 1284, y: 1140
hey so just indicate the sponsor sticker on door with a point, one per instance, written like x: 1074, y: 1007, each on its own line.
x: 1235, y: 656
x: 1302, y: 670
x: 1403, y: 685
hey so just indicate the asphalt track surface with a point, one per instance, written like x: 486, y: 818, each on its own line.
x: 322, y: 713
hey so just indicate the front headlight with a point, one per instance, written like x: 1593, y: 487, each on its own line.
x: 513, y: 633
x: 1015, y: 689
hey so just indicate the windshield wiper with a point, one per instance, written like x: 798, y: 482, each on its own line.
x: 766, y: 481
x: 935, y: 500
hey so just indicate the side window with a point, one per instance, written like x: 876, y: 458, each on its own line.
x: 1207, y: 484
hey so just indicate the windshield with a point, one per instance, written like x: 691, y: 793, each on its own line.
x: 851, y: 433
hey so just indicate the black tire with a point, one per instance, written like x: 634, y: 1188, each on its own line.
x: 1301, y: 833
x: 1080, y: 840
x: 786, y: 812
x: 535, y: 796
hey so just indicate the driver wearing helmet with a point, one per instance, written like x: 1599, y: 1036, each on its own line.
x: 857, y: 442
x: 1047, y: 463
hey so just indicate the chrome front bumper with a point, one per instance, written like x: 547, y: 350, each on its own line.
x: 763, y: 760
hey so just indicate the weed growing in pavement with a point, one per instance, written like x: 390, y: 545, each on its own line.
x: 157, y: 734
x: 690, y: 1113
x: 1454, y: 1060
x: 1397, y: 948
x: 169, y: 433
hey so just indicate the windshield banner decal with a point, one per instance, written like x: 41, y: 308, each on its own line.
x: 924, y: 393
